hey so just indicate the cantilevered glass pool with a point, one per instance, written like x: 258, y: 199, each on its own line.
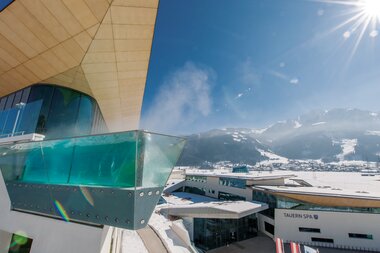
x: 110, y: 179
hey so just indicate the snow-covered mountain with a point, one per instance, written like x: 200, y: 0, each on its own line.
x: 334, y: 135
x: 234, y: 145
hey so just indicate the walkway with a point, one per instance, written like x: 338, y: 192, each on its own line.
x: 151, y: 241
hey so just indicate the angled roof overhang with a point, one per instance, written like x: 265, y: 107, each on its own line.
x: 323, y: 197
x: 215, y: 210
x: 100, y: 47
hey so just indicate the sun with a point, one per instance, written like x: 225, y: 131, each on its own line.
x: 362, y: 18
x: 372, y: 8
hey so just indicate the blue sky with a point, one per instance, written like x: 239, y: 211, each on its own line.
x: 250, y: 63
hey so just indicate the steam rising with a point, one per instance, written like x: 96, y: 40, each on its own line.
x: 183, y: 98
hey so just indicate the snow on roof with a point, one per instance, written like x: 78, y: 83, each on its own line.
x: 257, y: 175
x: 343, y: 184
x: 191, y: 205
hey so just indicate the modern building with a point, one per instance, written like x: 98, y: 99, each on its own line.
x: 72, y: 78
x: 212, y: 223
x: 294, y: 207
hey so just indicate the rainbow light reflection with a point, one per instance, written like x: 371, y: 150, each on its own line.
x: 61, y: 210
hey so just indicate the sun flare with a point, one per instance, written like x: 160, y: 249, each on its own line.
x: 372, y: 8
x: 362, y: 19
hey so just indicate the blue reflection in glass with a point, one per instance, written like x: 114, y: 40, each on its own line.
x: 4, y: 4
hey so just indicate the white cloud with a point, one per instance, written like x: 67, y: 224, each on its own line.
x: 239, y: 95
x: 182, y: 99
x: 320, y: 12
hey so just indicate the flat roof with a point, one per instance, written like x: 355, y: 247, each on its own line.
x: 320, y: 191
x: 325, y: 184
x: 184, y: 204
x: 257, y: 175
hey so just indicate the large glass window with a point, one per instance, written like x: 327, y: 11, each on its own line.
x: 29, y: 115
x: 195, y: 190
x: 9, y: 102
x: 229, y: 196
x: 325, y: 240
x: 50, y: 110
x: 2, y: 103
x: 85, y: 116
x: 214, y: 233
x: 17, y: 99
x: 286, y: 203
x: 232, y: 182
x: 44, y: 93
x: 63, y: 113
x: 201, y: 179
x: 10, y: 123
x: 309, y: 230
x: 360, y: 236
x: 269, y: 228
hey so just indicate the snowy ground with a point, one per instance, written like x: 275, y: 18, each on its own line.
x: 161, y: 225
x: 131, y: 242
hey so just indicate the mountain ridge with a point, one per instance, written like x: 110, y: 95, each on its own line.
x: 333, y: 135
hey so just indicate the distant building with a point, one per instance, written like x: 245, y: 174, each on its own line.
x: 288, y: 207
x: 240, y: 169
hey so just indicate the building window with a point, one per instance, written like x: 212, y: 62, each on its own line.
x: 201, y: 179
x: 326, y: 240
x: 309, y: 230
x: 232, y: 182
x: 360, y: 236
x: 215, y: 233
x: 229, y: 196
x: 269, y: 228
x: 195, y: 190
x: 53, y: 111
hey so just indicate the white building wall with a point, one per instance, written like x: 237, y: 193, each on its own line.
x: 5, y: 240
x: 49, y: 235
x: 261, y: 219
x: 334, y: 225
x: 213, y: 184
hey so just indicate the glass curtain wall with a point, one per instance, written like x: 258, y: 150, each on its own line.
x: 214, y: 233
x: 286, y: 203
x: 53, y: 111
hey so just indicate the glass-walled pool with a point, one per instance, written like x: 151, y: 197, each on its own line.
x: 114, y: 179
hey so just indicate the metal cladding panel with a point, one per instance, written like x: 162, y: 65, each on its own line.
x: 123, y: 208
x: 100, y: 47
x: 145, y: 202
